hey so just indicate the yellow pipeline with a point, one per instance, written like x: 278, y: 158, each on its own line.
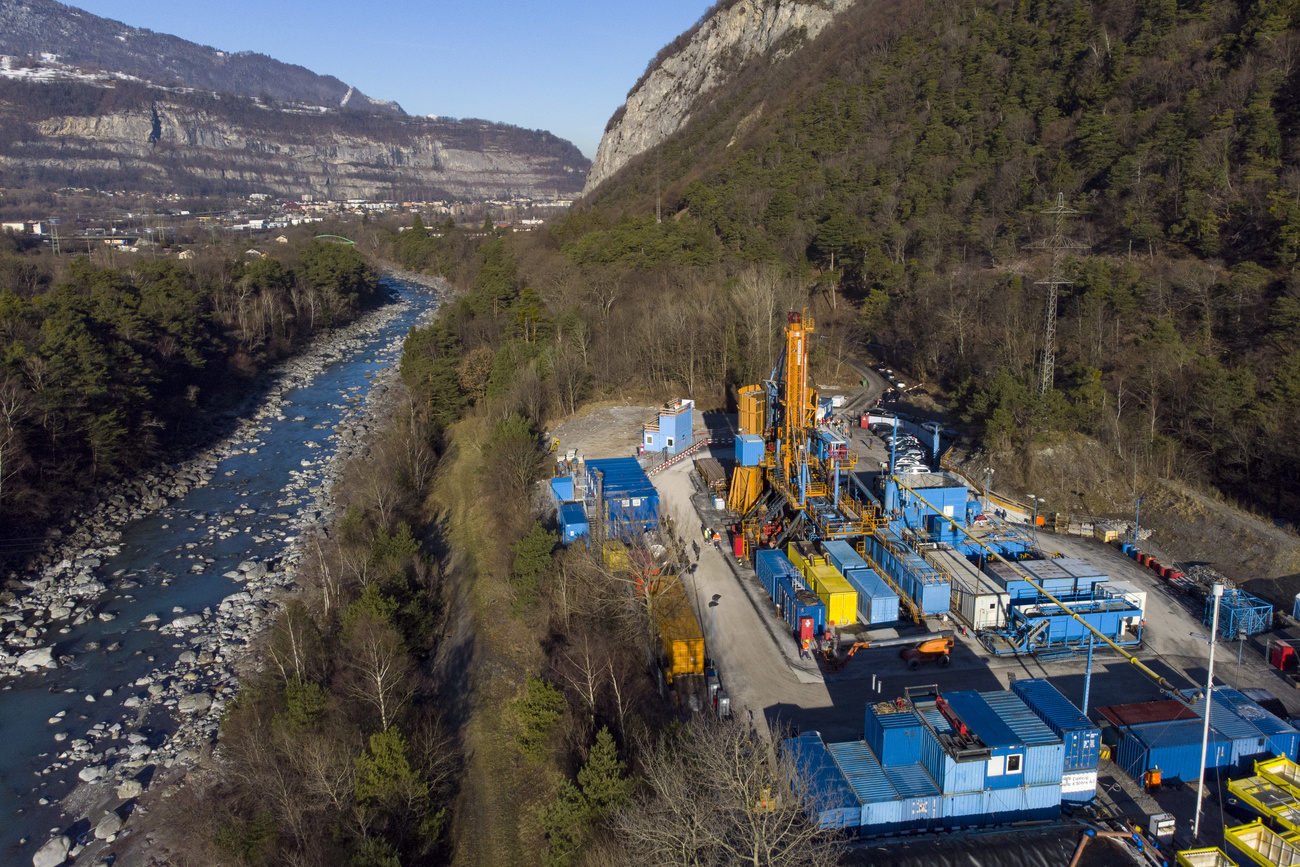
x: 1133, y: 660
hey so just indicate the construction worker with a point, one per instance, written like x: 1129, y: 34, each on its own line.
x: 804, y: 653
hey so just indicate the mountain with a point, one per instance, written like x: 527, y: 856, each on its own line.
x: 732, y: 33
x: 116, y: 134
x: 32, y: 28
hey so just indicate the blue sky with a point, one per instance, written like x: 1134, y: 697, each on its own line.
x: 561, y: 66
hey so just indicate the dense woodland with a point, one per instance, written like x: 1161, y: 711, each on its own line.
x: 107, y: 369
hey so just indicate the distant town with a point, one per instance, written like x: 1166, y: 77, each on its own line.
x: 260, y: 216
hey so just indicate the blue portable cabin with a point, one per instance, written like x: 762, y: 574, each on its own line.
x: 821, y: 787
x: 1283, y: 739
x: 1080, y: 735
x: 573, y: 523
x: 1044, y: 763
x: 562, y: 489
x: 672, y: 431
x: 895, y: 738
x: 631, y: 501
x: 1007, y: 754
x: 797, y: 604
x: 877, y: 602
x: 750, y: 450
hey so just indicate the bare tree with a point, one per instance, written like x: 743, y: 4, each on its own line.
x: 378, y: 668
x: 720, y: 796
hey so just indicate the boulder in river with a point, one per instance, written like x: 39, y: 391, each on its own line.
x: 108, y: 827
x: 53, y: 853
x: 189, y: 621
x: 197, y: 703
x: 41, y: 657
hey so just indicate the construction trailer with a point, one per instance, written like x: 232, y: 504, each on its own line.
x: 671, y: 431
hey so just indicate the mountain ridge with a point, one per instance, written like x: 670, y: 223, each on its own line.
x: 30, y: 28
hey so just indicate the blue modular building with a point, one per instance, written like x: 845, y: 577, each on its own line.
x: 1081, y: 737
x: 945, y: 761
x: 750, y: 450
x: 628, y: 503
x: 672, y: 430
x: 573, y: 523
x: 562, y: 489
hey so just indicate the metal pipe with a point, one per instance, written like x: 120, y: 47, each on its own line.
x: 1209, y: 702
x: 1025, y: 576
x: 1087, y: 680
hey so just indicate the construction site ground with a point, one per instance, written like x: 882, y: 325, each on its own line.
x: 771, y: 685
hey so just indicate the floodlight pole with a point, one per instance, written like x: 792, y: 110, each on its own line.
x: 1209, y: 702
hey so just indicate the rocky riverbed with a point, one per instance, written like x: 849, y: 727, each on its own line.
x: 141, y: 684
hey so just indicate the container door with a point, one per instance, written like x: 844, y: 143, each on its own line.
x: 806, y: 629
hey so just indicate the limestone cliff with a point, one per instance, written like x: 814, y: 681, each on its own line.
x: 663, y: 101
x: 194, y: 145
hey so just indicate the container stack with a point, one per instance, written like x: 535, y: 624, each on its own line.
x: 877, y: 603
x: 1080, y: 736
x: 964, y: 759
x: 785, y: 586
x: 619, y: 495
x: 839, y: 597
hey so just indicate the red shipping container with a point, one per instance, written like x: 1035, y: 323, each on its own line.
x: 1167, y: 573
x: 866, y: 420
x: 1143, y: 559
x: 1154, y: 565
x: 738, y: 544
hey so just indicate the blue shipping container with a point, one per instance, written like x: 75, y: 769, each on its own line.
x: 749, y: 450
x: 821, y: 786
x: 894, y: 737
x: 631, y: 501
x: 841, y: 555
x: 877, y: 603
x: 771, y: 564
x: 1081, y: 736
x: 1172, y: 747
x: 573, y: 522
x: 1044, y: 761
x: 805, y: 604
x: 1283, y: 738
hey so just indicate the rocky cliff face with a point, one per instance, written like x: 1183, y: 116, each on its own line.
x: 748, y: 31
x: 205, y: 147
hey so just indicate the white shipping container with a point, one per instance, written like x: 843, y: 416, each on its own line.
x: 981, y: 609
x: 1133, y: 595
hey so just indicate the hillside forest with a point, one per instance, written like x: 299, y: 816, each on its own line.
x: 894, y: 176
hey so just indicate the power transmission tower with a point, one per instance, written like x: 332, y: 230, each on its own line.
x: 1058, y: 245
x: 54, y: 235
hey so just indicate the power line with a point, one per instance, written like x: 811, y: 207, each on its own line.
x: 1058, y: 245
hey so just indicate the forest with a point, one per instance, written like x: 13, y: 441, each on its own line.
x: 106, y: 370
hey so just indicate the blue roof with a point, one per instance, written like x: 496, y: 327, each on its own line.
x: 1048, y: 701
x: 912, y: 781
x: 902, y: 720
x: 982, y: 719
x: 1023, y: 721
x: 572, y: 513
x: 1250, y: 711
x: 776, y: 561
x: 1176, y: 734
x: 863, y: 772
x: 623, y: 477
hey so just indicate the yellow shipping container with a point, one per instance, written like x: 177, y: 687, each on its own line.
x: 1261, y: 846
x: 837, y: 594
x: 803, y: 561
x: 616, y: 559
x: 680, y: 632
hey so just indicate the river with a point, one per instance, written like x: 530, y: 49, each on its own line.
x: 116, y: 707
